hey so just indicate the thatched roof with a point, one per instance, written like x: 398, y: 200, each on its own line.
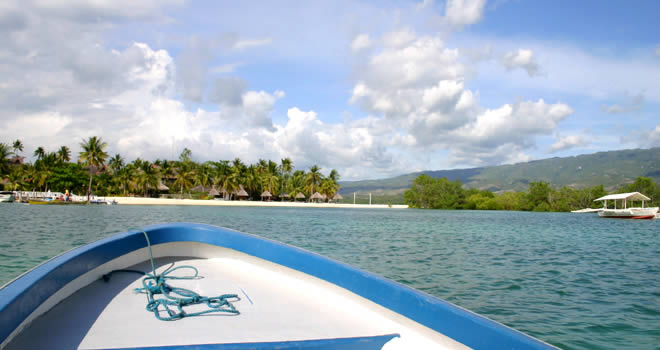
x: 242, y: 192
x: 284, y: 195
x: 337, y: 196
x: 316, y: 195
x: 162, y: 187
x: 300, y: 195
x: 214, y: 192
x: 199, y: 188
x: 266, y: 194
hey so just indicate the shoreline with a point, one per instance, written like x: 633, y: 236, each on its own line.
x: 200, y: 202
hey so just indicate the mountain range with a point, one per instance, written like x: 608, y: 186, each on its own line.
x: 611, y: 169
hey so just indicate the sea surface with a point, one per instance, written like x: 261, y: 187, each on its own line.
x: 573, y: 280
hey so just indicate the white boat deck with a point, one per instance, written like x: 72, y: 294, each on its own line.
x: 276, y: 304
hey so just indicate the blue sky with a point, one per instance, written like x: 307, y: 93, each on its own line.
x: 370, y: 88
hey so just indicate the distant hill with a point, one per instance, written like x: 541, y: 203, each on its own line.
x: 611, y: 169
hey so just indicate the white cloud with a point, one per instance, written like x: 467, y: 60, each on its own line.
x: 250, y: 43
x: 460, y: 13
x: 643, y: 138
x: 399, y: 38
x: 419, y: 88
x: 631, y: 104
x: 653, y: 137
x: 360, y: 43
x: 226, y: 68
x: 523, y: 59
x: 510, y: 127
x: 657, y: 50
x: 425, y: 4
x: 568, y: 142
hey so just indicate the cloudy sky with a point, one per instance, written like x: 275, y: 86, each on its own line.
x: 370, y: 88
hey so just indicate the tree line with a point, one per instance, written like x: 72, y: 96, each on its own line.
x: 96, y: 172
x: 440, y: 193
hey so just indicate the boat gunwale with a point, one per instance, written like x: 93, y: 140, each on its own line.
x: 19, y: 298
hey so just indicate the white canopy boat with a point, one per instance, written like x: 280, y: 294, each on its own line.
x: 269, y: 296
x: 6, y: 196
x: 625, y: 212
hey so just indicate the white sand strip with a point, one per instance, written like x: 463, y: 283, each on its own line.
x: 167, y: 201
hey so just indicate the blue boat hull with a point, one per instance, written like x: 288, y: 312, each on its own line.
x: 21, y: 297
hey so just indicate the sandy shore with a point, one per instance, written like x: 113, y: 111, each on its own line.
x: 165, y: 201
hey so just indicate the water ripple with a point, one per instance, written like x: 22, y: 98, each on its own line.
x: 575, y: 281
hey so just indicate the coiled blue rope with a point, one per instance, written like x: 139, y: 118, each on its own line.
x: 173, y: 300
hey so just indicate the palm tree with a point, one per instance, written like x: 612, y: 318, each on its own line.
x: 252, y: 179
x: 39, y: 152
x: 312, y: 178
x: 92, y: 156
x: 272, y: 175
x: 204, y: 175
x: 286, y: 166
x: 4, y: 158
x: 125, y: 177
x: 184, y: 177
x: 147, y: 177
x: 238, y: 164
x: 329, y: 187
x: 334, y: 176
x: 116, y: 163
x: 17, y: 180
x: 18, y: 146
x: 64, y: 154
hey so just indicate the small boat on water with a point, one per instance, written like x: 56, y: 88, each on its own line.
x: 53, y: 202
x: 587, y: 210
x: 103, y: 202
x: 625, y: 212
x: 192, y: 286
x: 6, y: 196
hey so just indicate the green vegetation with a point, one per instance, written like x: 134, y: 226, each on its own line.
x: 430, y: 193
x: 95, y: 172
x: 610, y: 169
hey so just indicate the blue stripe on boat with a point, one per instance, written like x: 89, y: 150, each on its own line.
x: 357, y: 343
x: 21, y: 297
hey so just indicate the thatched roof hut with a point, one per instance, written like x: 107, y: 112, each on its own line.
x: 266, y: 195
x: 241, y: 194
x: 316, y: 196
x: 300, y: 195
x: 284, y: 195
x: 162, y: 187
x: 214, y: 192
x: 199, y: 188
x: 337, y: 196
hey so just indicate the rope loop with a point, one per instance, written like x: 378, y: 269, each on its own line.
x: 174, y: 299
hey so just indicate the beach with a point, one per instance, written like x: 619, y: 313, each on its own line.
x: 222, y: 203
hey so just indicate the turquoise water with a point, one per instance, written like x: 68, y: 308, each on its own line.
x: 575, y: 281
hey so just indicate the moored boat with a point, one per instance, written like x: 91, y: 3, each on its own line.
x: 587, y: 210
x: 268, y: 295
x: 627, y: 212
x: 6, y: 196
x: 53, y: 202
